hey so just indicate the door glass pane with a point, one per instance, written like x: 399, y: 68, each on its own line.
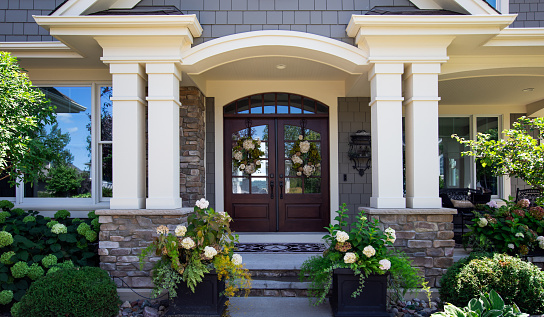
x: 264, y: 148
x: 269, y: 103
x: 260, y: 132
x: 454, y: 168
x: 230, y: 108
x: 289, y: 171
x: 259, y: 185
x: 296, y: 104
x: 312, y: 185
x: 312, y: 135
x: 283, y: 103
x: 291, y: 132
x: 256, y: 104
x: 288, y: 148
x: 243, y: 105
x: 293, y: 185
x: 321, y: 108
x: 236, y: 171
x: 263, y: 170
x: 484, y: 177
x: 240, y: 185
x: 309, y: 106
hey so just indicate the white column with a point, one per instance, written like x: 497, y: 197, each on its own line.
x: 386, y: 102
x: 163, y: 135
x: 128, y: 136
x: 422, y: 165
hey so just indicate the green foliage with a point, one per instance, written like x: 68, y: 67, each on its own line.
x: 5, y: 297
x: 518, y: 155
x: 488, y: 305
x: 3, y: 216
x: 365, y: 250
x: 82, y: 292
x: 63, y: 180
x: 29, y: 219
x: 207, y: 243
x: 6, y: 205
x: 515, y: 280
x: 62, y: 214
x: 24, y: 112
x: 32, y: 247
x: 514, y: 228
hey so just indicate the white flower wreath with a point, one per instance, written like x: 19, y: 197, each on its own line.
x: 305, y: 157
x: 246, y: 154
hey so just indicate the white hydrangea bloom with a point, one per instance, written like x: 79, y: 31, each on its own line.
x: 209, y: 252
x: 492, y: 204
x: 300, y: 137
x: 180, y: 231
x: 304, y: 146
x: 511, y: 246
x: 162, y: 230
x: 391, y: 235
x: 299, y: 173
x: 308, y: 170
x: 248, y: 144
x: 385, y: 264
x: 250, y: 168
x: 369, y: 251
x: 258, y: 163
x: 59, y: 228
x: 242, y: 166
x: 238, y: 155
x: 203, y: 203
x: 482, y: 222
x: 350, y: 257
x: 540, y: 239
x: 187, y: 243
x: 236, y: 259
x: 296, y: 159
x: 520, y: 235
x: 342, y: 236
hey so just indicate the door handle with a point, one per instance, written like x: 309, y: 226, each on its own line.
x: 281, y: 189
x: 271, y: 189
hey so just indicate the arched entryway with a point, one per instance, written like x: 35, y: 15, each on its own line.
x: 275, y: 197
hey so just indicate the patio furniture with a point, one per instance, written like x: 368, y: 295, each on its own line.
x: 530, y: 194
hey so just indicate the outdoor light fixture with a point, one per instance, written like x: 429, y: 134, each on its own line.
x: 281, y: 66
x: 359, y: 151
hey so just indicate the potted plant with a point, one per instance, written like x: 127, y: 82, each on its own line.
x: 197, y: 265
x: 359, y: 267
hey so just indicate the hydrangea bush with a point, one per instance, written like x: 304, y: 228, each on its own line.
x: 206, y: 244
x: 515, y: 228
x: 367, y: 250
x: 32, y: 246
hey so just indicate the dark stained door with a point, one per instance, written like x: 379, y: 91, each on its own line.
x: 275, y: 198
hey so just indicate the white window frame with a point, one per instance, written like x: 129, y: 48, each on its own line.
x: 78, y: 206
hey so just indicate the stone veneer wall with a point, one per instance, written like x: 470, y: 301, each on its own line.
x: 123, y: 235
x: 425, y: 235
x: 192, y: 150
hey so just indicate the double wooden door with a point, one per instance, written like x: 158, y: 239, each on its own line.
x: 275, y: 198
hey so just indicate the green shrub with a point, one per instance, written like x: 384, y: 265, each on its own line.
x: 32, y: 245
x: 488, y: 305
x: 515, y: 280
x: 81, y: 292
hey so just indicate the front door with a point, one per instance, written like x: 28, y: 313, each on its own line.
x: 274, y: 197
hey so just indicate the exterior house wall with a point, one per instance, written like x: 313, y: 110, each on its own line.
x: 355, y: 190
x: 322, y: 17
x: 210, y: 153
x: 530, y: 13
x: 17, y: 24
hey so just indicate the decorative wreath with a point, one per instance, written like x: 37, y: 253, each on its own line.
x: 246, y: 154
x: 305, y: 157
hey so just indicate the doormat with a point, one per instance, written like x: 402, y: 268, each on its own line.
x: 281, y: 247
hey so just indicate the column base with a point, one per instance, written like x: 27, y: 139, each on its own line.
x: 163, y: 203
x: 387, y: 202
x: 127, y: 203
x: 423, y: 202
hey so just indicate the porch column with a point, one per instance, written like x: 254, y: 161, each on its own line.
x: 128, y: 136
x: 386, y: 103
x: 163, y: 135
x: 422, y: 166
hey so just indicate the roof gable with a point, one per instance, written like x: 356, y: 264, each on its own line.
x: 84, y: 7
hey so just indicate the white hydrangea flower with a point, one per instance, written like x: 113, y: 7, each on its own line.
x: 308, y: 170
x: 540, y: 239
x: 520, y: 235
x: 304, y: 146
x: 342, y: 236
x: 511, y: 246
x: 391, y: 235
x: 180, y: 231
x: 363, y: 218
x: 300, y: 137
x: 162, y: 230
x: 299, y: 173
x: 250, y: 168
x: 209, y: 252
x: 296, y: 159
x: 258, y: 163
x: 187, y: 243
x: 242, y: 167
x: 203, y: 203
x: 59, y: 228
x: 369, y: 251
x: 492, y: 204
x: 236, y: 259
x: 482, y: 222
x: 248, y: 144
x: 238, y: 155
x: 385, y: 264
x: 350, y: 257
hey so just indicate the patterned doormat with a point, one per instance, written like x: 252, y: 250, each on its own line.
x: 281, y: 247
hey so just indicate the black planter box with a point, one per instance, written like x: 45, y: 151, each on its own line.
x: 205, y: 301
x: 371, y: 302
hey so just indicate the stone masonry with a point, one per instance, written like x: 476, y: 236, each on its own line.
x: 192, y: 150
x: 123, y: 235
x: 425, y: 235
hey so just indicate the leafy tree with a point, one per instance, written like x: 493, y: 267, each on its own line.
x: 63, y: 180
x: 24, y: 114
x: 519, y: 154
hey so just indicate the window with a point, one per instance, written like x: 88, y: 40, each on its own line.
x: 484, y: 178
x: 82, y: 178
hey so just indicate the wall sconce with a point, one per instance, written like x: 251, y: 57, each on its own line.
x: 359, y: 151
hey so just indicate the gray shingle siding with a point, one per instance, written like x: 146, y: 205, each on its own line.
x: 530, y: 13
x: 17, y: 24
